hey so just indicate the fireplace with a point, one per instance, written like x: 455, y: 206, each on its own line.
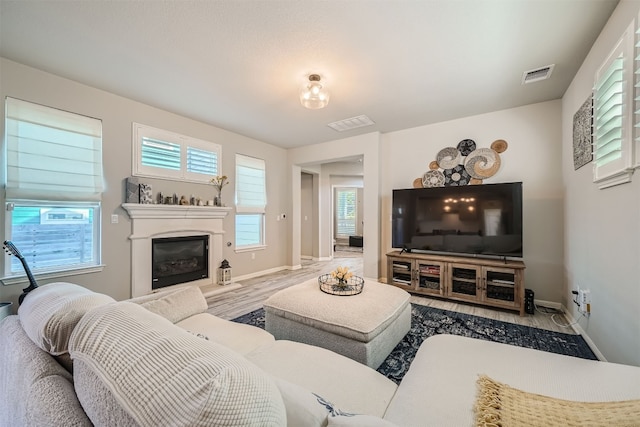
x: 177, y: 260
x: 151, y: 222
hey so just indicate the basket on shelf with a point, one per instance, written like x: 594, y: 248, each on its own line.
x: 333, y: 286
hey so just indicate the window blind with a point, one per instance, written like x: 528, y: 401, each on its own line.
x: 202, y: 161
x: 52, y: 154
x: 613, y: 115
x: 251, y: 194
x: 346, y: 212
x: 608, y: 114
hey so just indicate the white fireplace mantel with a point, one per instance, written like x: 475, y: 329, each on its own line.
x: 150, y: 221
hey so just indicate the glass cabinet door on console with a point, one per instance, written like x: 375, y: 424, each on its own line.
x: 499, y: 286
x: 464, y: 281
x: 401, y: 273
x: 429, y: 276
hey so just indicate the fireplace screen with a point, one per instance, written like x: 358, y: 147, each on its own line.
x: 178, y: 260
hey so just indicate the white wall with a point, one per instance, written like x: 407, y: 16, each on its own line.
x: 533, y: 157
x: 602, y: 227
x: 117, y: 114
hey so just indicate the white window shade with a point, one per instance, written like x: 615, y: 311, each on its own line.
x: 52, y: 154
x: 251, y: 194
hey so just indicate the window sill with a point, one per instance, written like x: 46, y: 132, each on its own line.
x: 250, y: 248
x: 22, y: 279
x: 622, y: 177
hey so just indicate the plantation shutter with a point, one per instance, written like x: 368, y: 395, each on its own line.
x: 160, y: 154
x: 52, y: 154
x: 202, y: 161
x: 346, y: 212
x: 251, y: 196
x: 612, y: 115
x: 609, y: 113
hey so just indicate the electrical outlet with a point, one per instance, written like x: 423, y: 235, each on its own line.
x: 253, y: 255
x: 584, y: 301
x: 114, y: 219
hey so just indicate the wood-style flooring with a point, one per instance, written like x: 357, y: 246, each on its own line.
x: 253, y: 292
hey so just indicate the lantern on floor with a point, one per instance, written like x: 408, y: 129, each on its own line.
x: 224, y: 273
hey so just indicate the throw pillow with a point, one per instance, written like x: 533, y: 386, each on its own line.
x: 163, y: 375
x: 179, y: 304
x: 49, y: 313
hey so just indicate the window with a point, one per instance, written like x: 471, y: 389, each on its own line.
x: 613, y: 103
x: 346, y: 211
x: 161, y: 154
x: 251, y: 202
x: 53, y: 189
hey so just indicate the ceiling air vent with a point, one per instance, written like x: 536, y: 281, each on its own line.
x: 537, y: 74
x: 352, y: 123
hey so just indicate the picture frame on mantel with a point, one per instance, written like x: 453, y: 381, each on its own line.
x: 582, y: 134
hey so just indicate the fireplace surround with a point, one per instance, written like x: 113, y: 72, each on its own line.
x: 150, y: 222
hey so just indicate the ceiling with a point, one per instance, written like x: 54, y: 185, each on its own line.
x: 240, y: 65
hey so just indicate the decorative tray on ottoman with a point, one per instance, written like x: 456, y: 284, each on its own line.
x: 331, y: 285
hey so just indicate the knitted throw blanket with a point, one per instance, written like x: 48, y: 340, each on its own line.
x: 498, y: 404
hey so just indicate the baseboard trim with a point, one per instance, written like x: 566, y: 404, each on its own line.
x: 259, y: 273
x: 549, y: 304
x: 578, y: 329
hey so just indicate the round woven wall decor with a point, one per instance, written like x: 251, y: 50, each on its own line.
x: 482, y: 163
x: 433, y: 165
x: 417, y: 183
x: 457, y: 176
x: 433, y: 179
x: 499, y: 145
x: 448, y: 158
x: 466, y: 146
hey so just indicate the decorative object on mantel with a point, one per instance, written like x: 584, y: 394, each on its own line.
x: 464, y: 164
x: 218, y: 182
x: 341, y: 282
x: 132, y: 190
x: 224, y: 273
x: 146, y: 195
x: 582, y: 140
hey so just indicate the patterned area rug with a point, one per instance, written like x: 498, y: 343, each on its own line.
x: 428, y: 321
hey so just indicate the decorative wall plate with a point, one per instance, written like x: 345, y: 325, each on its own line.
x: 448, y: 158
x: 433, y: 165
x: 482, y: 163
x: 417, y: 183
x: 457, y: 176
x: 466, y: 146
x: 433, y: 179
x: 499, y: 145
x: 475, y: 181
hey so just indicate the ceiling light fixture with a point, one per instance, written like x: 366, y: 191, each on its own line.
x: 314, y: 96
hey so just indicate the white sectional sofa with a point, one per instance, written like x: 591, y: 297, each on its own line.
x: 73, y: 358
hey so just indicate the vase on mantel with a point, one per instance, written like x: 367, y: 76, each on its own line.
x: 217, y: 201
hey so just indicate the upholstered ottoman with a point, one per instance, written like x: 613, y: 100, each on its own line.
x: 364, y: 327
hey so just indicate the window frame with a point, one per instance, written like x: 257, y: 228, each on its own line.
x: 35, y: 194
x: 338, y: 190
x: 618, y: 171
x: 257, y: 210
x: 140, y: 131
x: 60, y: 270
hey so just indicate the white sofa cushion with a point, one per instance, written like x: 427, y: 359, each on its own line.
x: 440, y: 387
x: 236, y: 336
x: 163, y: 375
x: 369, y: 312
x: 49, y: 313
x: 178, y: 304
x: 349, y: 385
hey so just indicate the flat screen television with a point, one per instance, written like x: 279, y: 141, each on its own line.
x: 473, y: 220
